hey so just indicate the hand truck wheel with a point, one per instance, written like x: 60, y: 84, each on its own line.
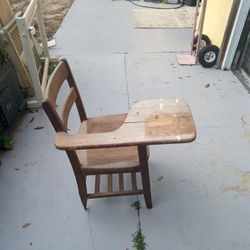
x: 205, y: 40
x: 208, y: 55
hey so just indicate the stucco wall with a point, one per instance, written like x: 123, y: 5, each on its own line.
x: 217, y: 13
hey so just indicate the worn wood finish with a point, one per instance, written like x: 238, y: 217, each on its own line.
x: 97, y: 183
x: 102, y: 124
x: 57, y: 79
x: 123, y: 159
x: 114, y: 194
x: 111, y: 159
x: 72, y: 83
x: 80, y: 177
x: 71, y: 98
x: 111, y: 190
x: 55, y: 82
x: 114, y: 144
x: 149, y: 122
x: 45, y: 75
x: 142, y: 150
x: 5, y: 12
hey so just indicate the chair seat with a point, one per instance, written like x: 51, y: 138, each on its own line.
x: 119, y: 159
x: 113, y: 159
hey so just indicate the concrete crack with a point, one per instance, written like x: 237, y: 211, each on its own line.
x: 90, y: 231
x: 219, y: 127
x: 126, y: 78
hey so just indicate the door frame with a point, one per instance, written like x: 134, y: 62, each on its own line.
x: 236, y: 34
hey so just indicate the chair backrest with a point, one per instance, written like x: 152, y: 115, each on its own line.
x: 61, y: 75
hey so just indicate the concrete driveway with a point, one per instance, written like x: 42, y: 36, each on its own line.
x: 200, y: 190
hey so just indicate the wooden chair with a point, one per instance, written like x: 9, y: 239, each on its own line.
x: 114, y: 144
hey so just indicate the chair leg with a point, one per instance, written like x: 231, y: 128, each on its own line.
x: 80, y: 177
x: 82, y: 189
x: 143, y: 157
x: 84, y: 201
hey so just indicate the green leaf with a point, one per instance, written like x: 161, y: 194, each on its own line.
x: 3, y: 56
x: 136, y: 205
x: 139, y: 240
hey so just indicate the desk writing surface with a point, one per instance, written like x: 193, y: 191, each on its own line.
x: 159, y: 121
x: 166, y: 120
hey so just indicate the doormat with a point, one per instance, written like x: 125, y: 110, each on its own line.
x: 164, y: 19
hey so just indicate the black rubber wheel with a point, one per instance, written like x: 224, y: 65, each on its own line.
x: 205, y: 40
x: 208, y: 55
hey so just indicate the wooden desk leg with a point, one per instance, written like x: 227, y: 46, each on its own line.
x: 143, y: 157
x: 80, y: 178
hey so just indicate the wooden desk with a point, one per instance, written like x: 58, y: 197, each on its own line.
x: 115, y: 144
x: 160, y: 121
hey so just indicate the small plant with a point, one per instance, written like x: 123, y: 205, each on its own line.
x: 3, y: 57
x: 51, y: 68
x: 138, y: 236
x: 6, y: 142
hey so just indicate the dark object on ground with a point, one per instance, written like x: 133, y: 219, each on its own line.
x: 11, y: 97
x: 208, y: 55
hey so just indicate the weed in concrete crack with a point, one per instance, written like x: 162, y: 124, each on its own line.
x: 138, y: 236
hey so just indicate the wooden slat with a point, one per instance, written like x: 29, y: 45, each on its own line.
x: 30, y: 11
x: 133, y: 181
x: 5, y: 12
x: 42, y: 30
x: 30, y: 59
x: 45, y: 75
x: 56, y: 80
x: 97, y: 183
x: 110, y: 183
x: 113, y: 170
x: 113, y: 194
x: 68, y: 105
x: 121, y: 183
